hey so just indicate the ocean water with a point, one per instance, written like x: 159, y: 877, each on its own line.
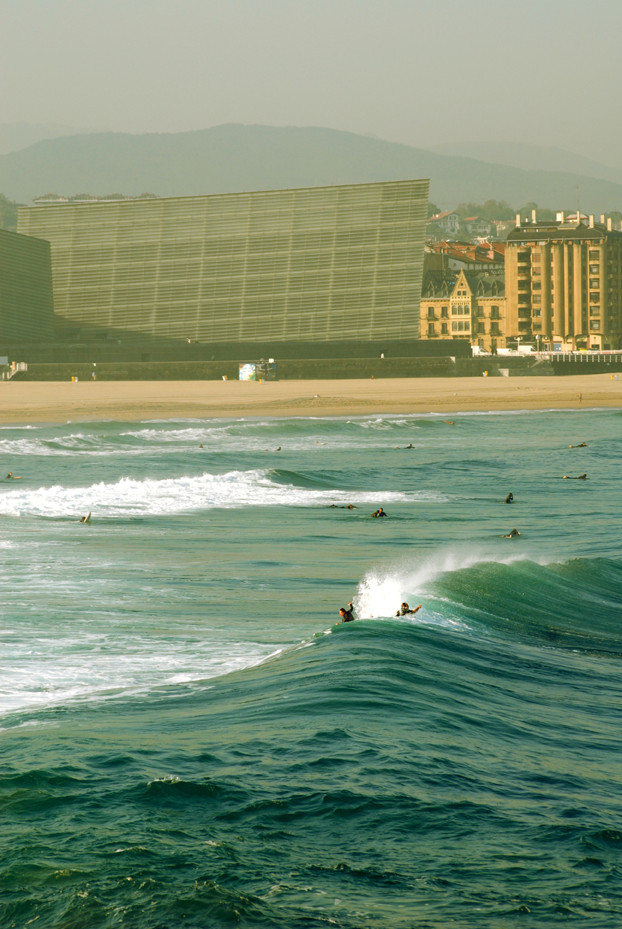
x: 190, y: 739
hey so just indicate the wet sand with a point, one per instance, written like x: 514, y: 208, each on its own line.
x: 131, y: 401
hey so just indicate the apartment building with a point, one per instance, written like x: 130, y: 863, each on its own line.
x: 466, y: 305
x: 564, y: 283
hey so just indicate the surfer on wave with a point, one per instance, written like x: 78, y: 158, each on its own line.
x: 404, y: 609
x: 347, y: 614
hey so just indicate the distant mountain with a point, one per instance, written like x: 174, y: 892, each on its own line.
x: 232, y: 158
x: 15, y: 136
x: 531, y: 157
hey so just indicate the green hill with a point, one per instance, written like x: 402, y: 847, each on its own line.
x: 235, y: 157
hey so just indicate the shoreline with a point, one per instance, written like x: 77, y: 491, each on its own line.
x: 30, y: 402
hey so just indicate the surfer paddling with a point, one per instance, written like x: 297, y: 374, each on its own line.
x: 85, y: 519
x: 578, y: 477
x: 511, y: 534
x: 12, y: 477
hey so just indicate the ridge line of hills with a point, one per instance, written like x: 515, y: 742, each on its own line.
x: 235, y: 157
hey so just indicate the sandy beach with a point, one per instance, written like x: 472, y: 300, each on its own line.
x: 38, y: 402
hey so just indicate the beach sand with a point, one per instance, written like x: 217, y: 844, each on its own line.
x: 131, y: 401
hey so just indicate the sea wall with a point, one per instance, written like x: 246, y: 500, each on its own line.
x: 288, y: 369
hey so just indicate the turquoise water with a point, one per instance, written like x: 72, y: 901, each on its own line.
x: 190, y: 740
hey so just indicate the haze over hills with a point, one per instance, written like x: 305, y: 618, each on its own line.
x: 532, y: 158
x: 15, y: 136
x: 234, y: 157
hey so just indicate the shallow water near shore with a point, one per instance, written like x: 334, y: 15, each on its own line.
x: 190, y: 739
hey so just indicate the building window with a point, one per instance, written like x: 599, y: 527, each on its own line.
x: 594, y: 282
x: 444, y: 330
x: 594, y: 311
x: 594, y: 269
x: 593, y: 253
x: 494, y: 329
x: 594, y: 324
x: 431, y: 329
x: 494, y: 312
x: 431, y: 314
x: 594, y: 296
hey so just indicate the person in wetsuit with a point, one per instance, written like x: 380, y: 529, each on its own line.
x: 405, y: 609
x: 379, y: 512
x: 346, y: 614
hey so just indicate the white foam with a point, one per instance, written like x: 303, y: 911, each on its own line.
x: 39, y: 673
x: 382, y: 590
x: 131, y: 497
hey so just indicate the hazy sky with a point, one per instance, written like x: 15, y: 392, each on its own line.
x: 545, y: 71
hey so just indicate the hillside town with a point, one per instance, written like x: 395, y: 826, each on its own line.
x: 528, y: 285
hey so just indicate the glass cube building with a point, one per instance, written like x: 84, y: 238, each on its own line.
x: 318, y: 264
x: 26, y: 307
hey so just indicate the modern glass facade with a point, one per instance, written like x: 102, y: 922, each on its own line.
x: 319, y: 264
x: 26, y: 308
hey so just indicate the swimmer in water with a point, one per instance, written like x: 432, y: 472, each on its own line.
x: 509, y: 498
x: 511, y: 535
x: 578, y: 477
x: 379, y: 512
x: 404, y: 610
x: 580, y: 445
x: 85, y: 519
x: 12, y: 477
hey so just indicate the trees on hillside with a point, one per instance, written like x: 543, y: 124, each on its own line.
x: 8, y: 213
x: 491, y: 209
